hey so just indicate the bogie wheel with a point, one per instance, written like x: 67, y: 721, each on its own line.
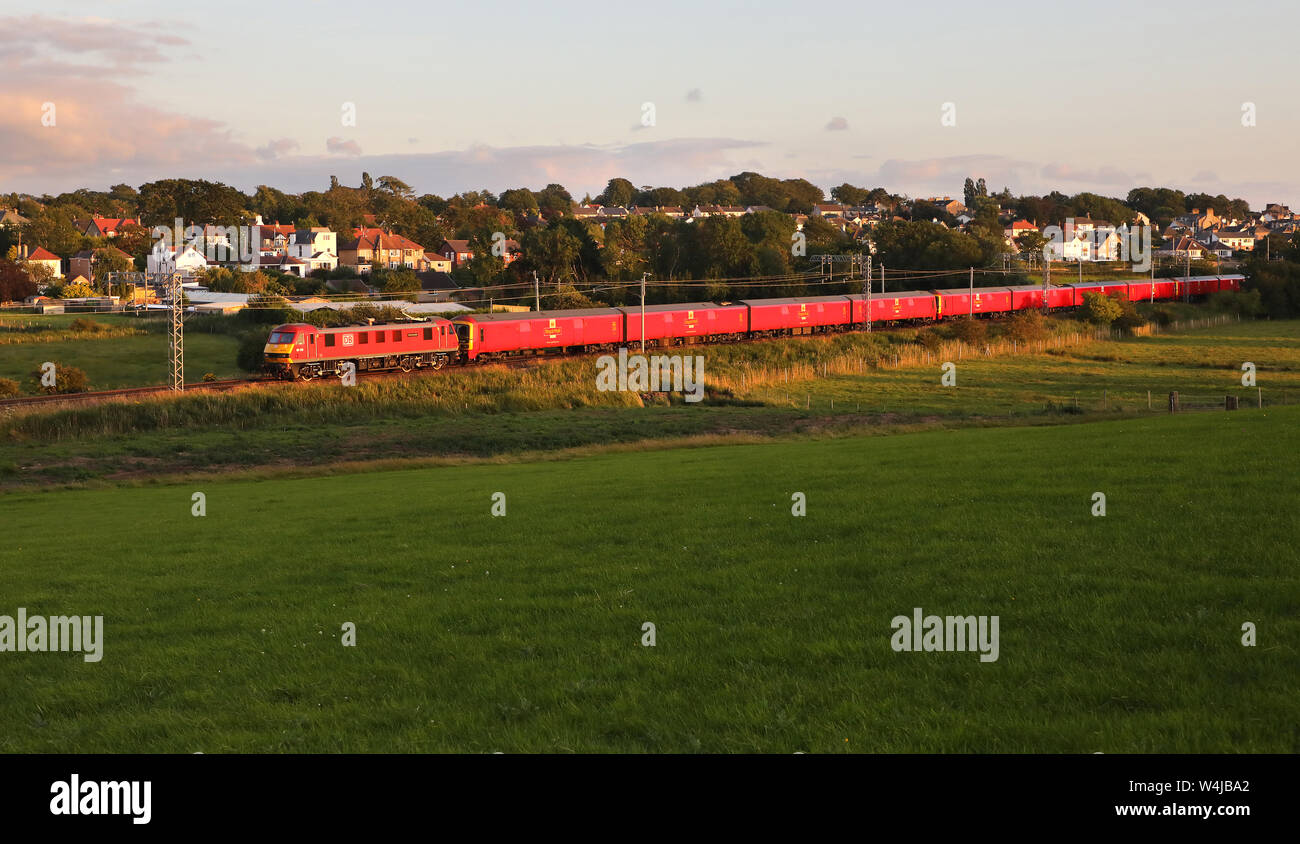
x: 406, y: 365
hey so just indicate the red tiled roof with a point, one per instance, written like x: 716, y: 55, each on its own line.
x: 380, y: 239
x: 40, y: 253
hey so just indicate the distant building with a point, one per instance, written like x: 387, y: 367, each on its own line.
x: 41, y: 256
x: 104, y: 226
x: 377, y: 248
x: 457, y: 252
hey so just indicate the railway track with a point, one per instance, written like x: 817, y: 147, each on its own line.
x: 126, y: 392
x: 222, y: 386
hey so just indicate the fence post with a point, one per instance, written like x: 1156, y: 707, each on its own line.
x: 1173, y: 401
x: 1148, y: 399
x: 1261, y: 397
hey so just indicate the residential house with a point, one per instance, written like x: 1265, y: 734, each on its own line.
x: 1239, y: 239
x: 437, y: 263
x: 1198, y: 222
x: 186, y: 260
x: 83, y: 263
x: 104, y: 226
x: 457, y: 252
x: 828, y: 209
x: 316, y: 247
x: 946, y: 203
x: 1016, y: 229
x: 9, y: 218
x: 41, y: 256
x: 377, y: 248
x: 1186, y: 247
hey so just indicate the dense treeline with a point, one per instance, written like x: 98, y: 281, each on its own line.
x: 568, y: 252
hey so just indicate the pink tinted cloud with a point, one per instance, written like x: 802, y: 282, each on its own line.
x: 64, y: 73
x: 338, y: 146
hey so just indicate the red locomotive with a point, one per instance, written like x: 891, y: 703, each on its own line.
x: 302, y: 351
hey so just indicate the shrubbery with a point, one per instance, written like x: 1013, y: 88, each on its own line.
x: 969, y: 330
x: 1101, y: 309
x: 929, y: 338
x: 67, y: 379
x: 9, y: 388
x: 1026, y: 326
x: 249, y: 357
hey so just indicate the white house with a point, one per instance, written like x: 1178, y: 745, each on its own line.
x: 167, y: 259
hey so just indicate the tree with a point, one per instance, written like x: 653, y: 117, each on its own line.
x: 1101, y: 309
x: 107, y: 260
x: 40, y: 274
x: 617, y: 192
x: 552, y: 251
x: 396, y: 188
x: 15, y: 284
x: 518, y: 200
x: 1031, y: 242
x: 79, y: 290
x: 400, y: 280
x: 850, y: 195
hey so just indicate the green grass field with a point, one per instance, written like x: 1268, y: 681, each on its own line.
x: 523, y: 633
x: 110, y: 362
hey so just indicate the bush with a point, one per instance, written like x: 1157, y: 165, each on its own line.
x: 929, y: 338
x: 67, y: 379
x: 1101, y: 309
x: 249, y: 357
x: 1244, y: 302
x: 88, y: 326
x: 1128, y: 318
x: 1162, y: 316
x: 971, y: 331
x: 208, y: 376
x: 1026, y: 326
x: 9, y: 388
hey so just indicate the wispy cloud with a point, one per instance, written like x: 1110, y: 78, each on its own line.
x: 338, y: 146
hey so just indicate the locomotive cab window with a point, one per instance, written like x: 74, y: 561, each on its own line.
x: 279, y: 338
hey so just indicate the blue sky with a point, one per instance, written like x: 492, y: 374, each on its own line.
x: 1099, y: 96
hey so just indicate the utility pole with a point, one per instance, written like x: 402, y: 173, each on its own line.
x: 643, y: 278
x: 537, y: 290
x: 1047, y: 279
x: 177, y: 333
x: 866, y: 291
x: 971, y: 302
x: 882, y: 278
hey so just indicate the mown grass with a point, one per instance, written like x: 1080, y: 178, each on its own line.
x: 523, y: 633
